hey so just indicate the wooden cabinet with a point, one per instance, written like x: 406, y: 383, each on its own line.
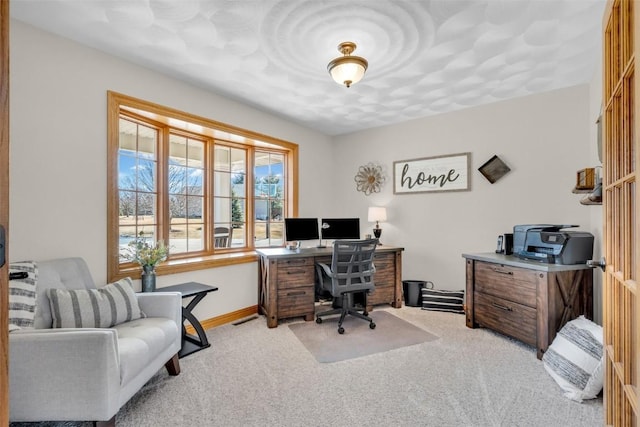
x: 526, y: 300
x: 287, y: 281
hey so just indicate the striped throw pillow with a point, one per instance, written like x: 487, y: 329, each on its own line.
x: 103, y: 307
x: 443, y: 300
x: 575, y: 359
x: 22, y: 295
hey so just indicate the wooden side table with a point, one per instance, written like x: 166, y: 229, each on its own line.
x: 191, y: 343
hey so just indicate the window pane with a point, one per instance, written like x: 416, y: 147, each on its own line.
x: 177, y: 149
x: 127, y: 204
x: 146, y: 175
x: 178, y: 207
x: 277, y: 233
x: 222, y: 210
x: 222, y: 184
x: 222, y: 158
x: 196, y: 237
x: 195, y: 207
x: 194, y: 177
x: 147, y: 142
x: 177, y: 179
x: 195, y: 156
x: 238, y: 186
x: 238, y: 212
x: 261, y: 210
x: 238, y: 160
x: 146, y: 208
x: 126, y: 171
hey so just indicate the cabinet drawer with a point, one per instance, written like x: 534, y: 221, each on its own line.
x: 295, y: 302
x: 507, y: 317
x: 295, y: 273
x: 510, y: 283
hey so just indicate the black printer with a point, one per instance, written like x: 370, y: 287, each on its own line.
x: 548, y: 243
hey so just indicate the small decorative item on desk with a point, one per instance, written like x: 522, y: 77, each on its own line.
x: 148, y: 255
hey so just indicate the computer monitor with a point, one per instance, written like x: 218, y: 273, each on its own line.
x: 297, y: 229
x: 340, y: 228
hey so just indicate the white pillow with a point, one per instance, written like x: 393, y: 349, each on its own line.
x: 103, y: 307
x: 575, y: 359
x: 22, y: 295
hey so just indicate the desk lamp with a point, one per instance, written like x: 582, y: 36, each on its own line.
x: 377, y: 214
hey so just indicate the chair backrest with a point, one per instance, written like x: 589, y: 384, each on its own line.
x: 352, y: 265
x: 222, y: 237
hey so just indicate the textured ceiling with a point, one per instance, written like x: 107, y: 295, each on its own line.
x: 425, y: 57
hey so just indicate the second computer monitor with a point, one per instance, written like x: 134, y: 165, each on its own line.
x: 340, y: 228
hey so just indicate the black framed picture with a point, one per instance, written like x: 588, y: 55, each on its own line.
x: 494, y: 169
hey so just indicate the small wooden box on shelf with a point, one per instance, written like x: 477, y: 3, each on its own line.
x: 585, y: 180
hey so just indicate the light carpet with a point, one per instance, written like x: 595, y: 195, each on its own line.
x: 256, y: 376
x: 325, y: 343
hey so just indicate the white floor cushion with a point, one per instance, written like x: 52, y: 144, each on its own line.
x: 575, y: 359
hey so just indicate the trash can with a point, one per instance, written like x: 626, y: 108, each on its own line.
x: 412, y: 290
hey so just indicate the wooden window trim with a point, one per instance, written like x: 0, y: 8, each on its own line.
x: 116, y: 103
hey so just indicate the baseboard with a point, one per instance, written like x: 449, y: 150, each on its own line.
x: 225, y: 318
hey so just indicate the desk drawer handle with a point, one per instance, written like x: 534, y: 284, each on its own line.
x: 501, y: 307
x: 497, y: 270
x: 296, y: 261
x: 296, y: 293
x: 296, y: 272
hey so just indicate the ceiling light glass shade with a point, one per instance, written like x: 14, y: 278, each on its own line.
x: 347, y: 69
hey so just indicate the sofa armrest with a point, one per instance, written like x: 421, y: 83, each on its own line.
x: 162, y: 304
x: 57, y: 373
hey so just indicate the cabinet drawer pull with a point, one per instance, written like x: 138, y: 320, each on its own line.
x: 501, y: 307
x: 295, y: 293
x: 497, y: 270
x: 295, y: 261
x: 296, y: 272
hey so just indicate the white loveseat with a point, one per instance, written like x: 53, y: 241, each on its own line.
x: 88, y: 374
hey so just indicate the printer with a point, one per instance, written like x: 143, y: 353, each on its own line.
x: 550, y: 244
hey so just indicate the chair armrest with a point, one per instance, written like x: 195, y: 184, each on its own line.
x: 56, y: 370
x: 162, y: 304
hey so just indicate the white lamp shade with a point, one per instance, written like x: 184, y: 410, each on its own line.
x: 377, y: 214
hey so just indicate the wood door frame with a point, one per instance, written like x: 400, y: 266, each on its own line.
x: 4, y: 210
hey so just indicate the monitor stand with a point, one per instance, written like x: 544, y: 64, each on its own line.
x: 320, y: 245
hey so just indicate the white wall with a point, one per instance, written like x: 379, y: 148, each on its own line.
x: 58, y: 155
x: 543, y: 138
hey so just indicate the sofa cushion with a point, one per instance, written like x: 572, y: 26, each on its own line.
x: 22, y: 295
x: 142, y: 340
x: 575, y: 359
x: 61, y: 273
x: 94, y: 308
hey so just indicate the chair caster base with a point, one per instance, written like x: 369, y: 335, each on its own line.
x: 372, y: 325
x: 341, y: 330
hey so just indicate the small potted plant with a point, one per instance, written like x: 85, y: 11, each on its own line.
x: 148, y: 255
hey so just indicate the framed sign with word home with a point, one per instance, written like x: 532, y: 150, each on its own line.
x: 430, y: 174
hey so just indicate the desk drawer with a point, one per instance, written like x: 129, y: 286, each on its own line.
x: 295, y: 302
x: 511, y: 283
x: 382, y: 294
x: 294, y: 273
x: 507, y: 317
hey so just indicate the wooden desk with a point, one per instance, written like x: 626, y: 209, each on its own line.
x: 527, y: 300
x: 287, y: 281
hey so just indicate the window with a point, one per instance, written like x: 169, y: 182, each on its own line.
x: 187, y: 181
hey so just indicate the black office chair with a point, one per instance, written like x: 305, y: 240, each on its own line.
x: 351, y: 272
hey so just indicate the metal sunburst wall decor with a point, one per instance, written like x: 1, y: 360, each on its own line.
x: 369, y: 178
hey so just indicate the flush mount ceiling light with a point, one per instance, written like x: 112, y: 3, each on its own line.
x: 347, y: 69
